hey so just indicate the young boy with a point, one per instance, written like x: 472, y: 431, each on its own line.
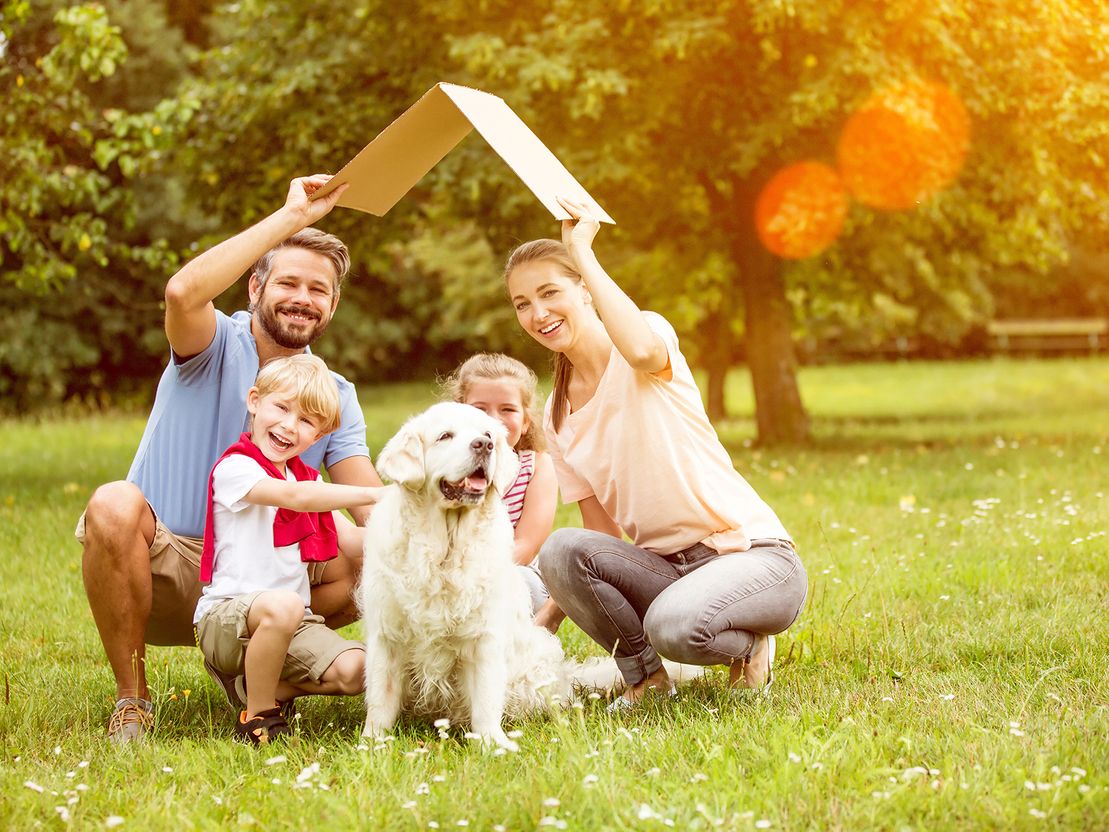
x: 267, y: 515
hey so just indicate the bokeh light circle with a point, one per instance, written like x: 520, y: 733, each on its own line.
x: 800, y: 211
x: 906, y: 143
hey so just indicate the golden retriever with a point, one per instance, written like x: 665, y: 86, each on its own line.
x: 447, y: 618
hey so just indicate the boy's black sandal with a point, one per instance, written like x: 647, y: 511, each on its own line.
x: 263, y: 728
x: 235, y: 688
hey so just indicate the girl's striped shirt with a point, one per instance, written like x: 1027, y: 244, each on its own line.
x: 514, y: 497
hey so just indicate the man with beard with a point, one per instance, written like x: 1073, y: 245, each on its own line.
x: 143, y: 537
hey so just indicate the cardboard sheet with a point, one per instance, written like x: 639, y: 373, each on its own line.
x: 390, y: 166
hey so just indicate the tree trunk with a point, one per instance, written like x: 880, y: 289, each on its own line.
x: 771, y: 356
x: 716, y: 359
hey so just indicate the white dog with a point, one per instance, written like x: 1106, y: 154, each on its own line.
x: 448, y: 621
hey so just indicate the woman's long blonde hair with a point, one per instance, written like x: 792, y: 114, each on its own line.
x: 494, y: 366
x: 561, y: 368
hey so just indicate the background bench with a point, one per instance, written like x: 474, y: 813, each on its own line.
x: 1048, y: 334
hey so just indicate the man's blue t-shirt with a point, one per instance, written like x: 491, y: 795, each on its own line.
x: 200, y: 411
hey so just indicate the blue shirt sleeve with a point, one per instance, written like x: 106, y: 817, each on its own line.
x: 205, y: 365
x: 350, y: 439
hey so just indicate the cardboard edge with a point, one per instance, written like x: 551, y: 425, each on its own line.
x: 348, y: 172
x: 556, y: 210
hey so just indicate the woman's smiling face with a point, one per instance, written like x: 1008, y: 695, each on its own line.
x: 548, y: 303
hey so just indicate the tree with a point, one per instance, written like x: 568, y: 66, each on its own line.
x: 675, y: 115
x: 81, y: 273
x: 687, y: 109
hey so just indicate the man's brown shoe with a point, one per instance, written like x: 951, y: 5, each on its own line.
x: 130, y: 720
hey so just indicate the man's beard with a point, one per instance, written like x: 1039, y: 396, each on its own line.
x: 282, y: 334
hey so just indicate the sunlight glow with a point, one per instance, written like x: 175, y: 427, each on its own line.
x: 800, y: 211
x: 906, y: 143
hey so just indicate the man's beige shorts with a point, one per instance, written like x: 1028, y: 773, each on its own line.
x: 175, y: 583
x: 223, y: 636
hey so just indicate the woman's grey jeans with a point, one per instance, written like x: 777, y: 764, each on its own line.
x: 695, y: 606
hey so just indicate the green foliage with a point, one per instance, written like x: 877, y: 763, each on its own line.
x: 53, y: 200
x: 84, y: 274
x: 676, y: 111
x: 673, y: 114
x: 157, y: 57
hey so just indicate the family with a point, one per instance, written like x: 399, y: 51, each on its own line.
x: 223, y: 535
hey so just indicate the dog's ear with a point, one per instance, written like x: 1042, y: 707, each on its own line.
x: 402, y: 459
x: 507, y: 466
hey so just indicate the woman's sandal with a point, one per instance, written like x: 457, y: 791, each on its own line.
x: 758, y: 675
x: 263, y: 728
x: 621, y: 703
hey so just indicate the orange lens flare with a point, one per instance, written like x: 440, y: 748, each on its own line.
x: 801, y: 210
x: 906, y: 143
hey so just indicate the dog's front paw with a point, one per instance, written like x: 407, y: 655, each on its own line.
x: 500, y: 739
x: 376, y: 730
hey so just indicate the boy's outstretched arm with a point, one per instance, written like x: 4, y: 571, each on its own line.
x: 312, y: 496
x: 355, y: 470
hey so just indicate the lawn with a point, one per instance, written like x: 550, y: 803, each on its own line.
x: 949, y: 671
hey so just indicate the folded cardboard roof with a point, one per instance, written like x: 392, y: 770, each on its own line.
x: 389, y: 166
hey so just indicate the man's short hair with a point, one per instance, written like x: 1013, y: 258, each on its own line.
x: 311, y: 239
x: 306, y: 378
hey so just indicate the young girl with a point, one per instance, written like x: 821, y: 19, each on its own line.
x: 710, y: 574
x: 505, y: 389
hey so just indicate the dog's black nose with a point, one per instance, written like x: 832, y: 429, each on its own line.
x: 482, y: 443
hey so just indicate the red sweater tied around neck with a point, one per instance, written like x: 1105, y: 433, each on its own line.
x: 313, y: 530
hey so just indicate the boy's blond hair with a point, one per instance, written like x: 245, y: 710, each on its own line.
x: 307, y: 379
x: 494, y: 366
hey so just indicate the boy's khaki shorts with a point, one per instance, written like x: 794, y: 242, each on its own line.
x: 223, y: 636
x: 175, y: 583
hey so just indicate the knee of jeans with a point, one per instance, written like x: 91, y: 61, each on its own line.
x: 667, y: 632
x: 561, y: 552
x: 528, y: 576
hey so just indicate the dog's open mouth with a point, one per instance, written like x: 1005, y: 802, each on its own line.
x: 469, y: 489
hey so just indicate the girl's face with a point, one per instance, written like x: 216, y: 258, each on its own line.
x: 500, y: 398
x: 550, y: 306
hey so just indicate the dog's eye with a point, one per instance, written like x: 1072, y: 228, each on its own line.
x: 444, y: 436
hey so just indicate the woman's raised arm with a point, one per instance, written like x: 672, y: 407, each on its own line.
x: 641, y: 347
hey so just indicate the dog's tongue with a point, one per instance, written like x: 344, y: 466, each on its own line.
x: 475, y: 482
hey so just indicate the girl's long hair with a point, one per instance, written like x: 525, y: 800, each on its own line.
x: 561, y: 368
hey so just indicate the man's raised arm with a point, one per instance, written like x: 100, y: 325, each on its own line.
x: 190, y: 315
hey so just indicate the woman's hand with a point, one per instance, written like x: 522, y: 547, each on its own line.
x: 578, y: 233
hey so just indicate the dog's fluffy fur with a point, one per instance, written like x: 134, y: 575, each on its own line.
x: 448, y: 622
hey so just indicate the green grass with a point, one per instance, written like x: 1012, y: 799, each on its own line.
x: 949, y: 671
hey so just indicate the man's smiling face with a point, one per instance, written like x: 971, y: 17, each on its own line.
x: 295, y: 303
